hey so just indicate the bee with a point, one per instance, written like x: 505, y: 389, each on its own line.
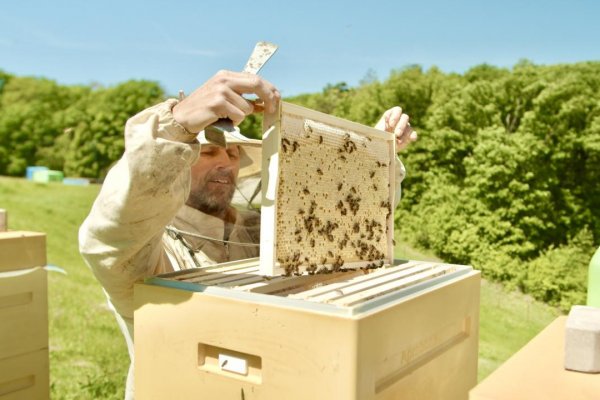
x: 378, y: 163
x: 313, y: 205
x: 375, y: 187
x: 312, y: 242
x: 329, y: 253
x: 344, y: 211
x: 353, y: 190
x: 372, y: 174
x: 295, y: 146
x: 340, y: 186
x: 284, y: 144
x: 306, y: 191
x: 300, y: 212
x: 342, y: 157
x: 320, y: 139
x: 319, y: 171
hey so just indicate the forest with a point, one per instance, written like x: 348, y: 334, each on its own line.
x: 504, y: 177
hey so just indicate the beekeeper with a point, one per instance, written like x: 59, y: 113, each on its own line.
x: 166, y: 204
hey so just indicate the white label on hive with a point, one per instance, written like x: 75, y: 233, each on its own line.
x: 233, y: 364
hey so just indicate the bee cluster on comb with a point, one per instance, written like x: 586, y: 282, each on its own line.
x: 333, y: 202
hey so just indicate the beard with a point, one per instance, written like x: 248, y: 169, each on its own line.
x: 210, y: 196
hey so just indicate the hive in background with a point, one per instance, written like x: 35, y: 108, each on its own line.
x: 328, y: 191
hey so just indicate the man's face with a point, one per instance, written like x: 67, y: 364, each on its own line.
x: 213, y: 178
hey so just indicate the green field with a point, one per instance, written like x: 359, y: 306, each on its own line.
x: 88, y: 357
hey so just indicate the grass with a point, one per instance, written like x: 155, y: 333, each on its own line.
x: 88, y: 357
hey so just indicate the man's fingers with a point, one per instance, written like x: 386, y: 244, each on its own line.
x: 239, y: 102
x: 232, y: 112
x: 401, y: 127
x: 394, y: 117
x: 410, y: 138
x: 247, y: 83
x: 382, y: 124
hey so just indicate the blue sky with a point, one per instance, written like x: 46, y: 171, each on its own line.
x: 182, y: 43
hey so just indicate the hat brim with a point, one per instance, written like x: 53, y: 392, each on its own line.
x: 250, y: 151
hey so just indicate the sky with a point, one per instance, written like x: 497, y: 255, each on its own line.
x: 181, y: 44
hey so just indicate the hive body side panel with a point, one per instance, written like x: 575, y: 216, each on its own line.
x: 292, y: 354
x: 23, y: 311
x: 424, y: 347
x: 25, y: 377
x: 21, y: 250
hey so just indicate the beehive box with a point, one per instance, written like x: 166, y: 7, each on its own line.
x: 24, y: 370
x: 407, y: 331
x: 327, y: 190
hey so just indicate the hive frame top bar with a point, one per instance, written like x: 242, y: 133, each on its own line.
x: 344, y: 293
x: 350, y: 187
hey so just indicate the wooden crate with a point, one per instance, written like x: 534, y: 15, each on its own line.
x: 404, y: 332
x: 327, y: 193
x: 20, y: 250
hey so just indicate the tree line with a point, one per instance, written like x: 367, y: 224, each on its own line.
x: 505, y: 174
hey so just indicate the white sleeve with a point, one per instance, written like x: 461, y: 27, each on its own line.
x: 121, y: 238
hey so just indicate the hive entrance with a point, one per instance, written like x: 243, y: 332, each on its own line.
x: 331, y: 191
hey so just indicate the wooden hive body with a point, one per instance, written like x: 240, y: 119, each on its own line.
x: 407, y: 331
x: 24, y: 362
x: 327, y: 193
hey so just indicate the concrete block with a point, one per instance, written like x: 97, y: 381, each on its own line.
x: 22, y: 250
x: 582, y: 339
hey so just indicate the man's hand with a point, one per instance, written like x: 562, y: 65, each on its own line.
x: 221, y: 97
x: 394, y: 121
